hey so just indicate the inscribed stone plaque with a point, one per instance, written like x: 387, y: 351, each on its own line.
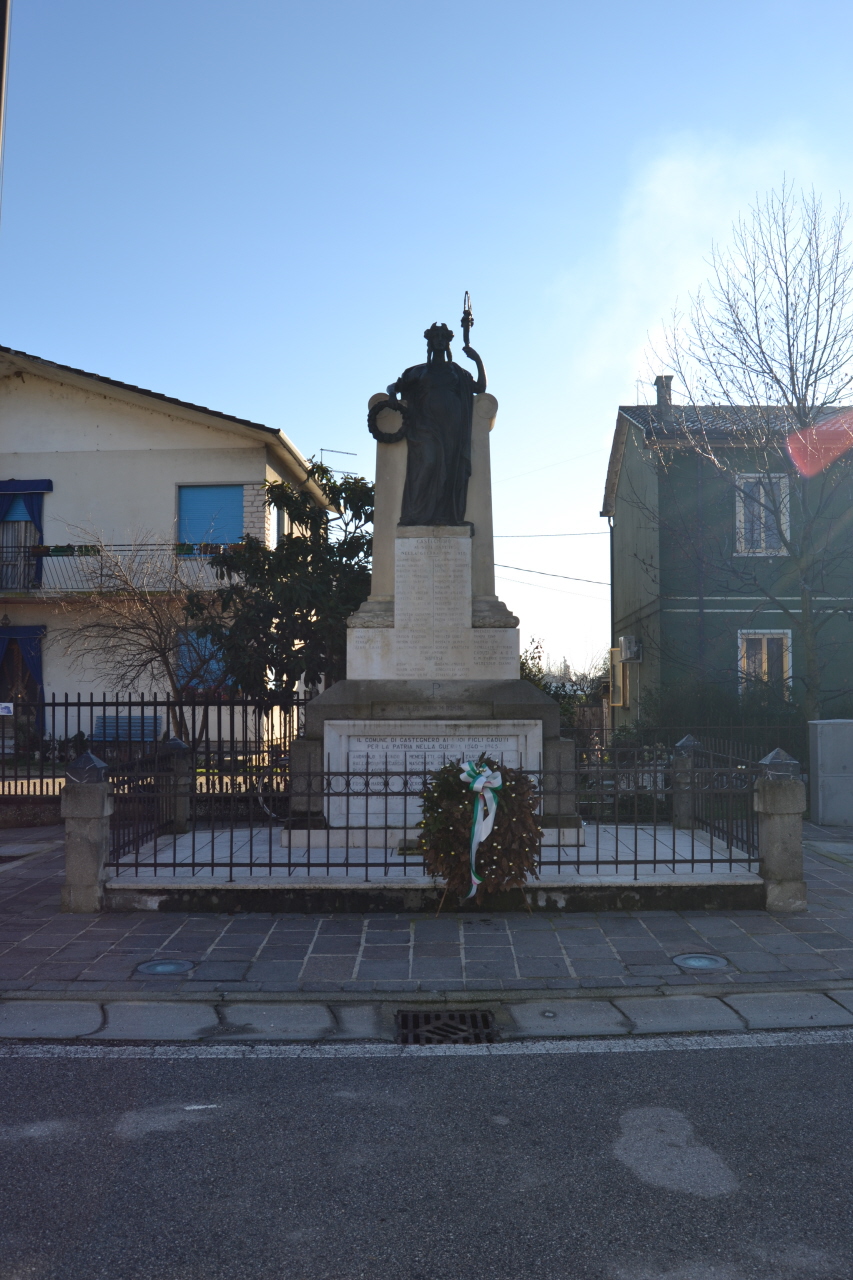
x: 406, y: 748
x: 432, y: 606
x: 432, y: 637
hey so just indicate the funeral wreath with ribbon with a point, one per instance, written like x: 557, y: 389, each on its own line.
x: 480, y: 832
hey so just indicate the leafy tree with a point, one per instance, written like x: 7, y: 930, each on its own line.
x: 570, y: 689
x: 126, y: 620
x: 281, y: 615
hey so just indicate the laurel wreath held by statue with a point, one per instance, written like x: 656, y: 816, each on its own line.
x: 455, y: 804
x: 387, y: 437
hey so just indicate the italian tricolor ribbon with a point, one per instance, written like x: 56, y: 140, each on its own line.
x: 485, y: 783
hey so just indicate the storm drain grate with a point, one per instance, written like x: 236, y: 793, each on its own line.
x: 469, y: 1026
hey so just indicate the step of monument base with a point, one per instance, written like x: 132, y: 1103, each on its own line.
x: 416, y: 895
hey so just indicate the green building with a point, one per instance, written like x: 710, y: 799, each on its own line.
x: 731, y: 570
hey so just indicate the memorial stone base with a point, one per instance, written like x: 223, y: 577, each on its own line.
x: 420, y: 724
x: 428, y: 631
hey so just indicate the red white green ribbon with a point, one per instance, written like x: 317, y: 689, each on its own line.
x: 485, y: 783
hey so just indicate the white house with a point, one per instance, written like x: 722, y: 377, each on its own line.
x: 83, y: 456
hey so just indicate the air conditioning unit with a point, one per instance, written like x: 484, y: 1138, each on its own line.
x: 630, y: 649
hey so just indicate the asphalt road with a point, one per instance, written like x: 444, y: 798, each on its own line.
x: 724, y: 1164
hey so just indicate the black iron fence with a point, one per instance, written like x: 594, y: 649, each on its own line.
x: 747, y: 741
x: 38, y: 740
x: 206, y: 787
x: 624, y: 813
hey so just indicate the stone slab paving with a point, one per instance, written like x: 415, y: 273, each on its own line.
x: 777, y: 1010
x: 653, y: 1015
x: 301, y: 1021
x: 47, y: 953
x: 49, y: 1019
x: 160, y: 1020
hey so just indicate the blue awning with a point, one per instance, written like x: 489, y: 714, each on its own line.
x: 26, y: 486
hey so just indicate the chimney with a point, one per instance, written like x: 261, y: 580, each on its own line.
x: 663, y: 386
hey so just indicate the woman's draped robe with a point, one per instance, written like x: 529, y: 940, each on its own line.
x: 440, y: 400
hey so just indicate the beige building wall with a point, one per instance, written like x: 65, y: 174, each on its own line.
x: 117, y: 462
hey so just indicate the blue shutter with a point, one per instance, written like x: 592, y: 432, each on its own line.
x: 17, y: 511
x: 210, y: 513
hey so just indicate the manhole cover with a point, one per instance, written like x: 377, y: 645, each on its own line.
x: 700, y: 960
x: 163, y: 967
x: 471, y: 1026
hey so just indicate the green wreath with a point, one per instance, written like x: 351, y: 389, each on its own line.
x: 506, y: 858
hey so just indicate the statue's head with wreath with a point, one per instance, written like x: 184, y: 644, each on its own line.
x: 439, y: 338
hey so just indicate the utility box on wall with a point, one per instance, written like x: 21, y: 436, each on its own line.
x: 831, y: 772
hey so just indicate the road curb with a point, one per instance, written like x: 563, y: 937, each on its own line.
x: 210, y: 1021
x: 438, y: 997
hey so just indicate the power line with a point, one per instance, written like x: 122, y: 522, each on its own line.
x: 518, y: 569
x: 591, y: 533
x: 542, y: 586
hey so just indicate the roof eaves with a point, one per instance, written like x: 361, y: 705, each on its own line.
x: 141, y: 391
x: 294, y: 458
x: 617, y: 451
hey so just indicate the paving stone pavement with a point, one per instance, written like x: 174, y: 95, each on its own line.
x: 45, y: 952
x: 86, y: 1021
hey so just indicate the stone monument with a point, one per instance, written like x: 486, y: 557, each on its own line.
x: 433, y: 654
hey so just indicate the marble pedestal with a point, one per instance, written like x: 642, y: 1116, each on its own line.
x: 431, y: 633
x: 432, y: 663
x: 408, y: 721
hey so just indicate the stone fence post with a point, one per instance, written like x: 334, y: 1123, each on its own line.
x: 87, y: 804
x: 178, y: 758
x: 683, y: 783
x: 780, y: 802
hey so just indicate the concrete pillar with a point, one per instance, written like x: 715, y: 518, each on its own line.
x: 178, y: 760
x: 86, y: 808
x: 559, y: 800
x: 780, y: 804
x: 390, y: 481
x: 683, y: 784
x: 306, y: 778
x: 479, y: 505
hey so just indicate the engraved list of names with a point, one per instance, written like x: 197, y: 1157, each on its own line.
x: 432, y: 611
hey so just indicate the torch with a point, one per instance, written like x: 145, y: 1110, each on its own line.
x: 467, y: 318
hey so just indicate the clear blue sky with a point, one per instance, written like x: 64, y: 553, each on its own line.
x: 260, y: 206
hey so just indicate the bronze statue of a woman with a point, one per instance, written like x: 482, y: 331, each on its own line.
x: 436, y: 403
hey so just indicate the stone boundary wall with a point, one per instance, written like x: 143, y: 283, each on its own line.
x: 29, y: 811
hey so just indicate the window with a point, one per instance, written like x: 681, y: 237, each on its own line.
x: 17, y: 535
x: 20, y: 664
x: 198, y: 666
x: 21, y: 527
x: 618, y: 680
x: 210, y: 513
x: 762, y: 512
x: 765, y: 656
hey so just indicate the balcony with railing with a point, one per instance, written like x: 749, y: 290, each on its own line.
x: 96, y: 568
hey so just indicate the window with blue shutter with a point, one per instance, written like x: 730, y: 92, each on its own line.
x: 210, y: 513
x: 17, y: 510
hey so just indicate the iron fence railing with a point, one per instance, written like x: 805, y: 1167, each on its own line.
x: 93, y: 567
x: 747, y: 741
x: 614, y: 814
x: 206, y: 787
x: 38, y: 740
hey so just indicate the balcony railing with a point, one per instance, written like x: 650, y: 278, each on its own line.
x: 81, y: 567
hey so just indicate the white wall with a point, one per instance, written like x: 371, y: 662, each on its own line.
x: 116, y: 468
